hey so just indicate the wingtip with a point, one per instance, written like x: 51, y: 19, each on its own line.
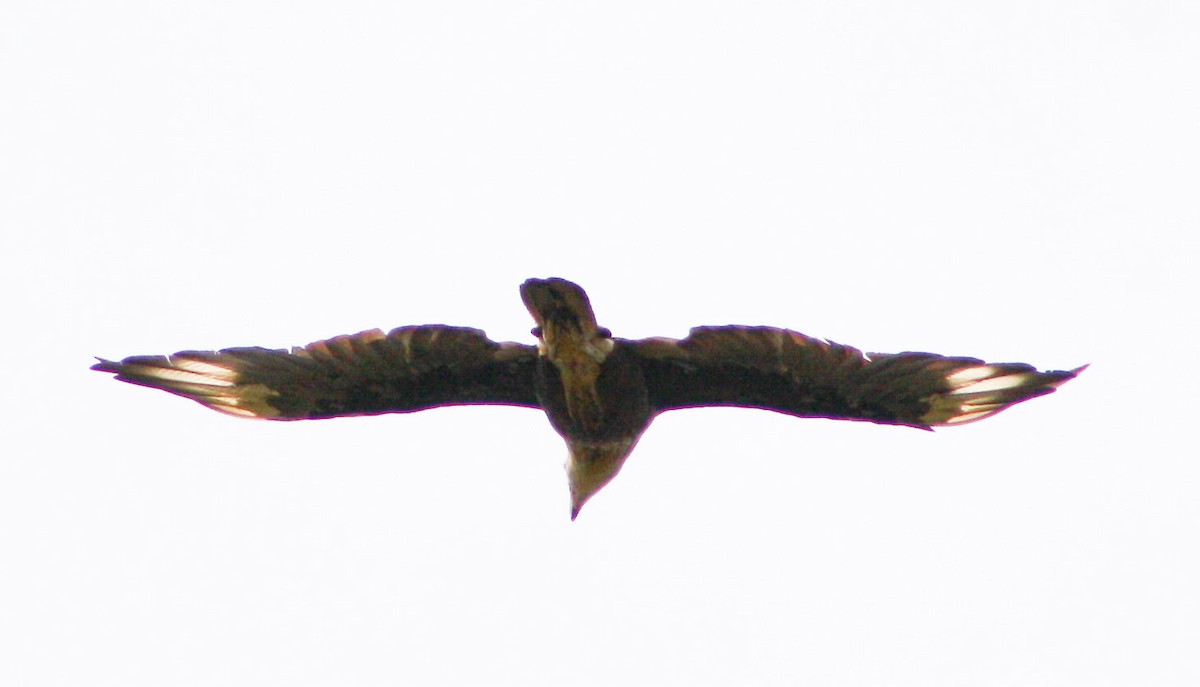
x: 104, y: 365
x: 1057, y: 378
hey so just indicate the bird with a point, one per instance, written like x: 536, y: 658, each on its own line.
x: 599, y: 392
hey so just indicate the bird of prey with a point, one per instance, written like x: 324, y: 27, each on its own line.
x: 599, y: 392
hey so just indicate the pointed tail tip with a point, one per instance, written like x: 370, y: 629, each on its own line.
x: 103, y: 365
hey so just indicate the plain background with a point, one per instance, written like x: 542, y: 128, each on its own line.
x: 1013, y: 181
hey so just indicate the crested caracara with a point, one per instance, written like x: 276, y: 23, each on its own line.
x: 599, y: 392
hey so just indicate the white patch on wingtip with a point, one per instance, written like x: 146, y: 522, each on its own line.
x: 1001, y: 383
x: 203, y: 368
x: 971, y: 374
x: 181, y: 376
x: 234, y: 410
x: 970, y: 416
x: 252, y: 400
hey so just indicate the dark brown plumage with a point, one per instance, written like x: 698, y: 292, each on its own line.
x: 599, y: 392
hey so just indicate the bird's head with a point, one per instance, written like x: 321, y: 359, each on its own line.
x: 566, y: 326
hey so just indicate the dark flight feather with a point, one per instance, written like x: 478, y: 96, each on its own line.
x: 408, y: 369
x: 788, y: 372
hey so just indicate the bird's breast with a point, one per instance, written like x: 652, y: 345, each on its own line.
x: 608, y: 402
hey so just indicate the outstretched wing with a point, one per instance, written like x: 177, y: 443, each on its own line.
x: 788, y: 372
x: 407, y: 369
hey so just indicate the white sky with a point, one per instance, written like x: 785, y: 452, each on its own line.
x: 1014, y: 181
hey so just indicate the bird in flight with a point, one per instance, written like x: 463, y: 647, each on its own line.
x: 599, y: 392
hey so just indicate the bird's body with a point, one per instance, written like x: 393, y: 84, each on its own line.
x: 600, y: 393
